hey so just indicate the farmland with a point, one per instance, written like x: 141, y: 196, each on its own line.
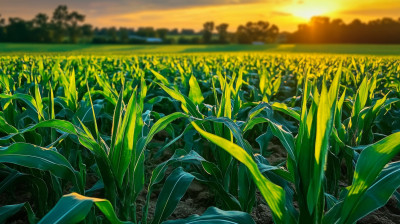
x: 120, y: 49
x: 245, y: 137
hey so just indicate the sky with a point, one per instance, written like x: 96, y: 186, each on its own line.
x: 286, y: 14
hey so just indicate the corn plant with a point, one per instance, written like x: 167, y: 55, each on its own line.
x: 120, y: 139
x: 306, y: 161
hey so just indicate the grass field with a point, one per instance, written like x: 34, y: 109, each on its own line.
x: 12, y: 49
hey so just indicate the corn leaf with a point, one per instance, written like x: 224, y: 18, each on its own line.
x: 73, y: 208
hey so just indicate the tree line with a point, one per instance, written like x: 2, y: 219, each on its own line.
x: 324, y: 30
x: 66, y: 26
x: 62, y: 25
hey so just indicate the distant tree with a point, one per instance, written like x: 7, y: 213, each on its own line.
x: 257, y: 31
x: 146, y: 32
x: 75, y: 31
x: 60, y: 23
x: 222, y: 32
x: 40, y: 20
x: 2, y: 29
x: 66, y: 24
x: 123, y: 35
x: 187, y: 32
x: 87, y: 31
x: 112, y: 35
x: 162, y: 33
x: 173, y: 32
x: 18, y: 30
x: 324, y: 30
x: 41, y: 31
x: 208, y: 28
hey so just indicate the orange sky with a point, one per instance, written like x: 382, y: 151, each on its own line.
x: 287, y: 14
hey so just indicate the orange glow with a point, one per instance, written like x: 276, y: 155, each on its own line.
x: 285, y: 14
x: 194, y: 17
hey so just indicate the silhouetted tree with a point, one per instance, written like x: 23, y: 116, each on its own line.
x: 207, y: 31
x: 123, y: 35
x: 18, y: 30
x: 75, y: 31
x: 187, y: 32
x: 174, y: 31
x: 59, y: 22
x: 162, y: 33
x: 112, y: 35
x: 324, y: 30
x: 2, y: 29
x: 87, y: 31
x: 257, y: 31
x: 146, y: 32
x: 223, y: 32
x: 41, y: 30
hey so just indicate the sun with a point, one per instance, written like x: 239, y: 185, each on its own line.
x: 308, y: 12
x: 312, y: 8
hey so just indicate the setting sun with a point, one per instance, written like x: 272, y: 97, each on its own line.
x: 308, y: 13
x: 310, y: 9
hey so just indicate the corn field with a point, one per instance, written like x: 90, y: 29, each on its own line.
x: 92, y: 139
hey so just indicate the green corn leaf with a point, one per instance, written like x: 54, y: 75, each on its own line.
x: 379, y: 193
x: 72, y: 93
x: 73, y: 208
x: 174, y: 188
x: 285, y: 137
x: 137, y: 160
x: 9, y: 129
x: 369, y: 165
x: 39, y: 104
x: 159, y: 172
x: 87, y: 141
x: 225, y: 110
x: 217, y: 216
x: 32, y: 156
x: 8, y: 211
x: 360, y: 100
x: 187, y: 105
x: 325, y: 117
x: 324, y: 121
x: 15, y: 177
x: 195, y: 92
x: 160, y: 77
x: 120, y: 155
x: 286, y: 110
x: 29, y: 100
x: 117, y: 118
x: 273, y: 194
